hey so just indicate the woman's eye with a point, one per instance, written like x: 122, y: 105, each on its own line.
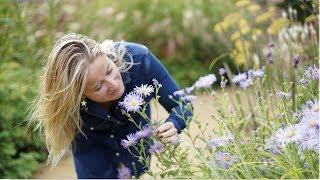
x: 99, y: 87
x: 109, y: 72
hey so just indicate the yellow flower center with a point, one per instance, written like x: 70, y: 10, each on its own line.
x: 134, y: 103
x: 227, y: 158
x: 315, y: 109
x: 290, y: 134
x: 312, y: 123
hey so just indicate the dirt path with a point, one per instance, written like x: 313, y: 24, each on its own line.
x: 203, y: 106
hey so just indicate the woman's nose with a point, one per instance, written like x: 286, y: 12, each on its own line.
x: 112, y: 82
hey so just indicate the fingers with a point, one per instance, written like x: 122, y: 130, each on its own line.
x: 164, y: 127
x: 168, y: 133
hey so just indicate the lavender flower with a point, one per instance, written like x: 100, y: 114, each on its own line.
x: 283, y: 95
x: 312, y: 72
x: 311, y: 107
x: 246, y: 83
x: 132, y: 102
x: 222, y: 71
x: 238, y: 78
x: 144, y: 90
x: 205, y: 81
x: 259, y: 73
x: 157, y: 147
x: 303, y: 82
x: 296, y: 60
x: 225, y: 160
x: 124, y: 172
x: 144, y: 132
x: 130, y: 141
x: 189, y: 98
x: 272, y: 145
x: 217, y: 142
x: 189, y: 89
x: 179, y: 93
x: 310, y: 124
x: 289, y: 134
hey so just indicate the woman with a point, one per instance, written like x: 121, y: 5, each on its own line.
x: 77, y: 107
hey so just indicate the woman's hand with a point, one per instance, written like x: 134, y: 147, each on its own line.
x: 168, y: 131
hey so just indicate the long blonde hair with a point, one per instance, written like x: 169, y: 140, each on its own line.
x: 56, y: 108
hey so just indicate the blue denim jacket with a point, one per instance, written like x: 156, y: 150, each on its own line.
x: 99, y: 155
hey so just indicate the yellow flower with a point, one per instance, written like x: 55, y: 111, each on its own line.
x: 263, y: 17
x: 235, y: 36
x: 276, y: 25
x: 244, y: 27
x: 254, y: 8
x: 242, y: 3
x: 257, y: 32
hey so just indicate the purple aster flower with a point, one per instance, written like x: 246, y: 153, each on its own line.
x: 155, y: 82
x: 157, y: 147
x: 179, y: 93
x: 222, y: 71
x: 289, y: 134
x: 124, y: 172
x: 296, y: 60
x: 310, y: 142
x: 144, y: 90
x: 238, y: 78
x: 146, y: 131
x: 132, y: 102
x: 225, y: 160
x: 270, y: 45
x: 270, y: 57
x: 130, y: 141
x: 205, y: 81
x: 312, y: 72
x: 310, y: 124
x: 311, y: 107
x: 246, y: 83
x: 189, y: 98
x: 217, y: 142
x: 272, y: 145
x: 189, y: 89
x: 259, y: 73
x: 283, y: 95
x: 303, y: 82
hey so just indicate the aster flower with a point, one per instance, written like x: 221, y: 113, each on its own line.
x: 157, y: 147
x: 312, y: 72
x: 238, y: 78
x: 272, y: 145
x: 289, y: 134
x: 132, y: 102
x: 179, y: 93
x: 189, y: 89
x: 217, y: 142
x: 205, y: 81
x: 225, y: 160
x: 124, y: 172
x: 144, y: 132
x: 259, y: 73
x: 130, y: 141
x: 283, y: 95
x: 296, y: 60
x: 246, y: 83
x: 311, y: 107
x: 144, y: 90
x: 303, y: 82
x: 189, y: 97
x: 222, y: 71
x: 310, y: 124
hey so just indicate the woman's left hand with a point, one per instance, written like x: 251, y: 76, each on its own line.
x: 167, y: 130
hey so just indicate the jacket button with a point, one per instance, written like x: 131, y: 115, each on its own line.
x: 91, y: 128
x: 86, y: 108
x: 111, y: 136
x: 108, y: 116
x: 117, y: 154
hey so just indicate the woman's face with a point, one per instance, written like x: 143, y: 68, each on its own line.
x: 104, y: 80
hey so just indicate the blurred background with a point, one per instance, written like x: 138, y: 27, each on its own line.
x: 191, y: 38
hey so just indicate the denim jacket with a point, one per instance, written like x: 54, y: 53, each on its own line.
x: 99, y: 153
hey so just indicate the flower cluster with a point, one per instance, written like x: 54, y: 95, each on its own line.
x: 220, y: 141
x: 304, y: 134
x: 225, y: 160
x: 133, y: 138
x: 247, y: 78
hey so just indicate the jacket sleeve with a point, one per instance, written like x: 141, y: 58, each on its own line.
x: 180, y: 113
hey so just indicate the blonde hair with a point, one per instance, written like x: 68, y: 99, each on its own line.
x: 56, y: 109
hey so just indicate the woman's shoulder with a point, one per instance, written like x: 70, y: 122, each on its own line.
x: 133, y: 48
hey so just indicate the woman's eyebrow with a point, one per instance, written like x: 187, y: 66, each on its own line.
x: 100, y: 81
